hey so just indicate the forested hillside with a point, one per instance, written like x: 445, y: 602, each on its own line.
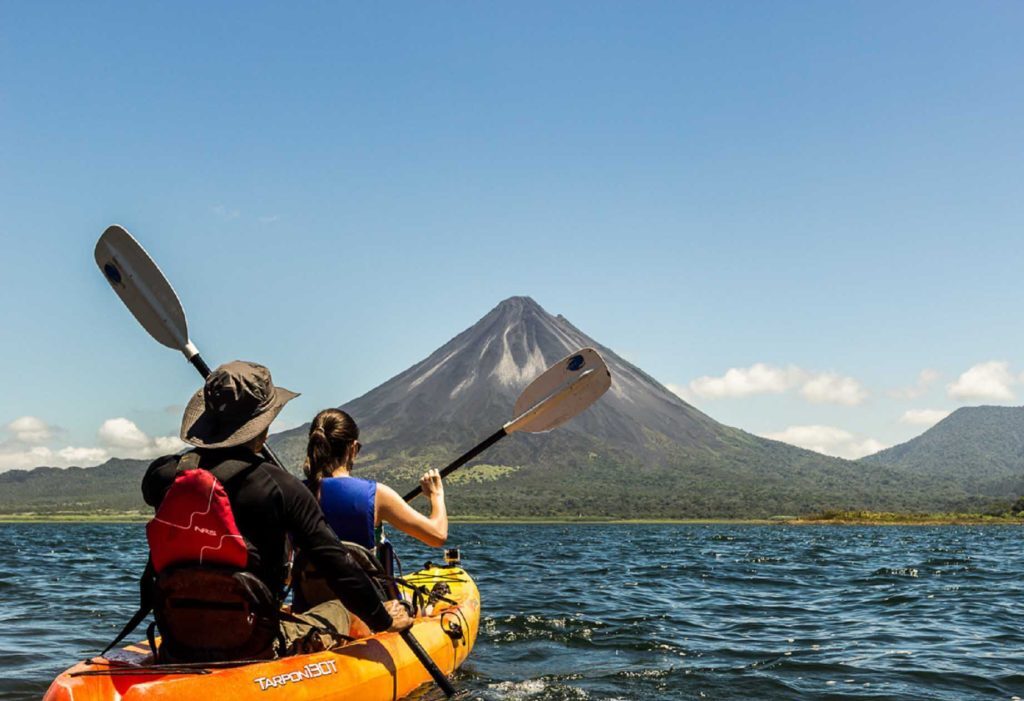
x: 639, y: 452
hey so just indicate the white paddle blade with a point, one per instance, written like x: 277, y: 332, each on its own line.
x: 562, y: 392
x: 143, y: 288
x: 564, y: 372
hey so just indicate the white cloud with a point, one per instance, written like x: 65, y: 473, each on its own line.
x: 122, y: 433
x: 41, y: 456
x: 24, y: 447
x: 828, y: 440
x: 117, y: 438
x: 830, y: 388
x: 167, y: 444
x: 923, y: 417
x: 29, y: 429
x: 83, y: 457
x: 761, y: 378
x: 991, y: 381
x: 680, y: 391
x: 225, y: 212
x: 126, y: 440
x: 925, y: 379
x: 19, y: 459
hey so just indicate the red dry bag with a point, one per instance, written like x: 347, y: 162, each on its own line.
x: 195, y: 525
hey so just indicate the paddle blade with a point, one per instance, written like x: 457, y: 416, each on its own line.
x: 563, y: 391
x: 142, y: 287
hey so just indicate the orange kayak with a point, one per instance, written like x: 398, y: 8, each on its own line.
x: 371, y: 667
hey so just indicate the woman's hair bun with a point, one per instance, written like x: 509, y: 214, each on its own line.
x: 330, y: 435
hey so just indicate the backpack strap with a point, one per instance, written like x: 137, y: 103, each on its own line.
x: 385, y: 555
x: 145, y: 606
x: 151, y: 637
x: 188, y: 461
x: 223, y: 471
x: 229, y: 469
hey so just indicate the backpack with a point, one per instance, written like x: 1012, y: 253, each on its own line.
x: 194, y: 523
x: 207, y: 607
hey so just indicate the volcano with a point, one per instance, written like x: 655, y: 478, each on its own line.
x: 639, y: 452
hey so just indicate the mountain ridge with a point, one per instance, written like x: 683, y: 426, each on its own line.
x: 639, y: 452
x: 640, y: 428
x: 989, y: 439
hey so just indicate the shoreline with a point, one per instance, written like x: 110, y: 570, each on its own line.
x: 812, y: 520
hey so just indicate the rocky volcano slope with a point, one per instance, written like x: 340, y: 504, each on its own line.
x: 639, y: 452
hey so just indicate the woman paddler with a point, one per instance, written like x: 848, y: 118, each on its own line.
x: 356, y: 508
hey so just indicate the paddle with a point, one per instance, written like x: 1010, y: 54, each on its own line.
x: 150, y: 298
x: 563, y: 391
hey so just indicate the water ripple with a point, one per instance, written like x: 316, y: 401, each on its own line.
x: 627, y: 612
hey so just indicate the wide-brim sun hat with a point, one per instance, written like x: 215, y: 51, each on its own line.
x: 237, y: 403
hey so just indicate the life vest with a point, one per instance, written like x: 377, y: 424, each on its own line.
x: 349, y: 505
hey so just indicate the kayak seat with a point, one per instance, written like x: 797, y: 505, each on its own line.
x: 311, y: 588
x: 365, y: 558
x: 213, y: 614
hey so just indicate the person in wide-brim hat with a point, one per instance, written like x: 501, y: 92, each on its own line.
x: 228, y: 421
x: 238, y: 403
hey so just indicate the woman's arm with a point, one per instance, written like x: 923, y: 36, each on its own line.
x: 432, y: 530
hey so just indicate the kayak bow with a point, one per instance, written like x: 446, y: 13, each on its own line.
x: 370, y: 667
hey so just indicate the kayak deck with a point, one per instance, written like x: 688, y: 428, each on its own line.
x: 377, y: 666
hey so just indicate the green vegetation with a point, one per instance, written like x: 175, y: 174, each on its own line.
x: 571, y: 477
x: 917, y: 518
x: 481, y: 473
x: 978, y: 449
x: 640, y: 454
x: 112, y: 487
x: 573, y: 485
x: 841, y: 518
x: 79, y: 517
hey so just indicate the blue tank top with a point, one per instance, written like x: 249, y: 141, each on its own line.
x: 348, y: 504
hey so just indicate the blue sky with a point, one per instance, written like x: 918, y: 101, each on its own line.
x: 804, y: 217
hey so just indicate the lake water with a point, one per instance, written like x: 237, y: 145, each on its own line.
x: 627, y: 612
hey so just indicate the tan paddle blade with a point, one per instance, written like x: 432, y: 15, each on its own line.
x: 143, y: 288
x: 562, y: 392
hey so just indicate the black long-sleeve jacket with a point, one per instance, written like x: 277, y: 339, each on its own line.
x: 268, y: 504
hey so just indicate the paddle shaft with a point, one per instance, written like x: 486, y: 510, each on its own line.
x: 462, y: 460
x: 439, y: 678
x: 544, y: 405
x: 199, y: 364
